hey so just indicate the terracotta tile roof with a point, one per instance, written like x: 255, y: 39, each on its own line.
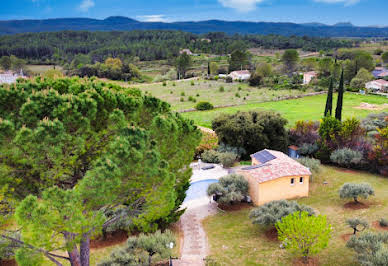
x: 279, y: 167
x: 383, y: 74
x: 312, y: 73
x: 382, y: 82
x: 241, y: 72
x: 293, y: 147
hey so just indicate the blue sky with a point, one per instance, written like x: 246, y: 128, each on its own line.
x: 359, y: 12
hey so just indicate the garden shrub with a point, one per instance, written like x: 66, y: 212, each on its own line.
x: 346, y: 157
x: 182, y: 93
x: 164, y: 84
x: 304, y: 132
x: 229, y: 189
x: 383, y: 222
x: 354, y: 191
x: 182, y: 99
x: 308, y: 149
x: 227, y: 159
x: 227, y: 148
x: 221, y: 89
x: 313, y: 164
x: 228, y: 79
x: 373, y: 122
x: 202, y: 106
x: 272, y: 212
x: 210, y: 156
x: 370, y: 248
x: 237, y: 95
x: 191, y: 99
x: 209, y: 141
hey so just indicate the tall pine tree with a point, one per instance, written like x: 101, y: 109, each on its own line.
x: 338, y: 110
x: 329, y: 100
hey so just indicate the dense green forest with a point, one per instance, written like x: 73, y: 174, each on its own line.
x: 61, y: 47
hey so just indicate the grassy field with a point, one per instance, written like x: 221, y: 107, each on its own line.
x: 40, y: 69
x: 207, y: 90
x: 308, y: 108
x: 235, y: 241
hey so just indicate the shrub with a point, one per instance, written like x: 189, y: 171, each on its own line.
x: 164, y: 84
x: 313, y: 164
x: 304, y: 234
x: 227, y: 159
x: 383, y: 222
x: 173, y: 84
x: 346, y: 157
x: 182, y: 93
x: 237, y: 95
x: 354, y: 191
x: 142, y: 249
x: 227, y: 148
x: 221, y: 89
x: 308, y: 149
x: 272, y: 212
x: 329, y: 128
x: 370, y: 248
x: 210, y: 156
x: 192, y: 83
x: 252, y: 131
x: 357, y: 224
x: 197, y: 95
x: 209, y: 141
x: 171, y: 92
x: 229, y: 189
x: 216, y: 78
x: 191, y: 99
x: 304, y: 132
x: 373, y: 122
x: 239, y: 88
x: 202, y: 106
x: 255, y: 80
x: 228, y: 79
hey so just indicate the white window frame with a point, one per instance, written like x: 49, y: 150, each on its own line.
x: 292, y: 181
x: 301, y: 178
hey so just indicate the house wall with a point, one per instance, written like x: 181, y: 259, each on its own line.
x: 278, y: 189
x: 253, y: 186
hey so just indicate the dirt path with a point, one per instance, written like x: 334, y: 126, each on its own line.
x: 195, y: 245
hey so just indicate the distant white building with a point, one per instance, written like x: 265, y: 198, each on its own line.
x: 308, y: 76
x: 9, y: 77
x: 187, y: 51
x: 240, y: 75
x: 379, y: 85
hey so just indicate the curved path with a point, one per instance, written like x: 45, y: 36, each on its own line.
x: 195, y: 245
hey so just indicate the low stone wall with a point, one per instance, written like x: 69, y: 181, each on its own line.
x: 290, y: 97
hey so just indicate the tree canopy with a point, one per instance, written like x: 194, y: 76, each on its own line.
x: 72, y: 149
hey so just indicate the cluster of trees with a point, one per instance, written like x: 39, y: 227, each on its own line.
x: 78, y: 156
x: 112, y: 68
x: 12, y: 63
x: 61, y: 47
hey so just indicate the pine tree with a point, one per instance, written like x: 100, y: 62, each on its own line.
x: 338, y: 110
x: 329, y: 101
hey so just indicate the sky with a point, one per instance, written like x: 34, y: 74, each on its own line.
x: 359, y: 12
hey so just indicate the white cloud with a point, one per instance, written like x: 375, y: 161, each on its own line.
x: 345, y: 2
x: 241, y: 5
x: 153, y: 18
x: 86, y: 5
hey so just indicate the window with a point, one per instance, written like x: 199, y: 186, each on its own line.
x: 292, y: 181
x: 301, y: 180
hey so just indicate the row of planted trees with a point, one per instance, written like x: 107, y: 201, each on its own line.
x: 79, y: 157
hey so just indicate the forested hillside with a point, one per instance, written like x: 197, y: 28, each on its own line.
x: 61, y: 47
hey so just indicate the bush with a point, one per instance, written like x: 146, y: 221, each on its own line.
x: 164, y: 84
x: 182, y: 93
x: 354, y: 191
x: 182, y: 99
x: 227, y: 159
x: 370, y: 248
x: 228, y: 79
x: 272, y: 212
x: 356, y: 223
x: 192, y: 83
x: 346, y: 157
x: 221, y: 89
x: 209, y: 141
x: 308, y: 149
x: 227, y: 148
x: 202, y: 106
x: 210, y: 156
x: 383, y: 222
x: 304, y: 132
x: 191, y: 99
x: 229, y: 189
x: 304, y: 234
x: 255, y: 80
x: 252, y: 131
x: 237, y: 95
x: 313, y: 164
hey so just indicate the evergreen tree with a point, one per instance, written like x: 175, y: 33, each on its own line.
x: 338, y: 110
x: 208, y: 68
x: 329, y: 100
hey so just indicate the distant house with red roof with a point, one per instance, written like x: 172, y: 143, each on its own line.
x: 275, y: 176
x: 240, y: 75
x: 309, y: 76
x: 379, y: 85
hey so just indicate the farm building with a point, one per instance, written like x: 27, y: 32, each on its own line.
x: 9, y: 77
x: 187, y: 51
x: 275, y: 176
x: 240, y: 75
x: 379, y: 85
x: 380, y: 72
x: 308, y: 76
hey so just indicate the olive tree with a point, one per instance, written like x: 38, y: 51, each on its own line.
x: 354, y: 191
x: 370, y: 248
x: 142, y: 250
x: 357, y: 224
x: 272, y: 212
x: 229, y: 189
x: 304, y: 234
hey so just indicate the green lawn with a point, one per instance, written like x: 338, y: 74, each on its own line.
x: 207, y: 90
x: 235, y: 241
x: 308, y: 108
x: 40, y: 69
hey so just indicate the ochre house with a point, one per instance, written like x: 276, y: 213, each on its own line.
x: 275, y: 176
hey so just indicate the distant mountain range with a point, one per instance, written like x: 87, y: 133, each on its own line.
x: 343, y: 29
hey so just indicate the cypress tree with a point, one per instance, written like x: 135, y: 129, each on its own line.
x: 208, y: 67
x: 329, y: 100
x: 338, y: 110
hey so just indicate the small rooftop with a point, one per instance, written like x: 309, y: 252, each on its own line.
x: 273, y: 165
